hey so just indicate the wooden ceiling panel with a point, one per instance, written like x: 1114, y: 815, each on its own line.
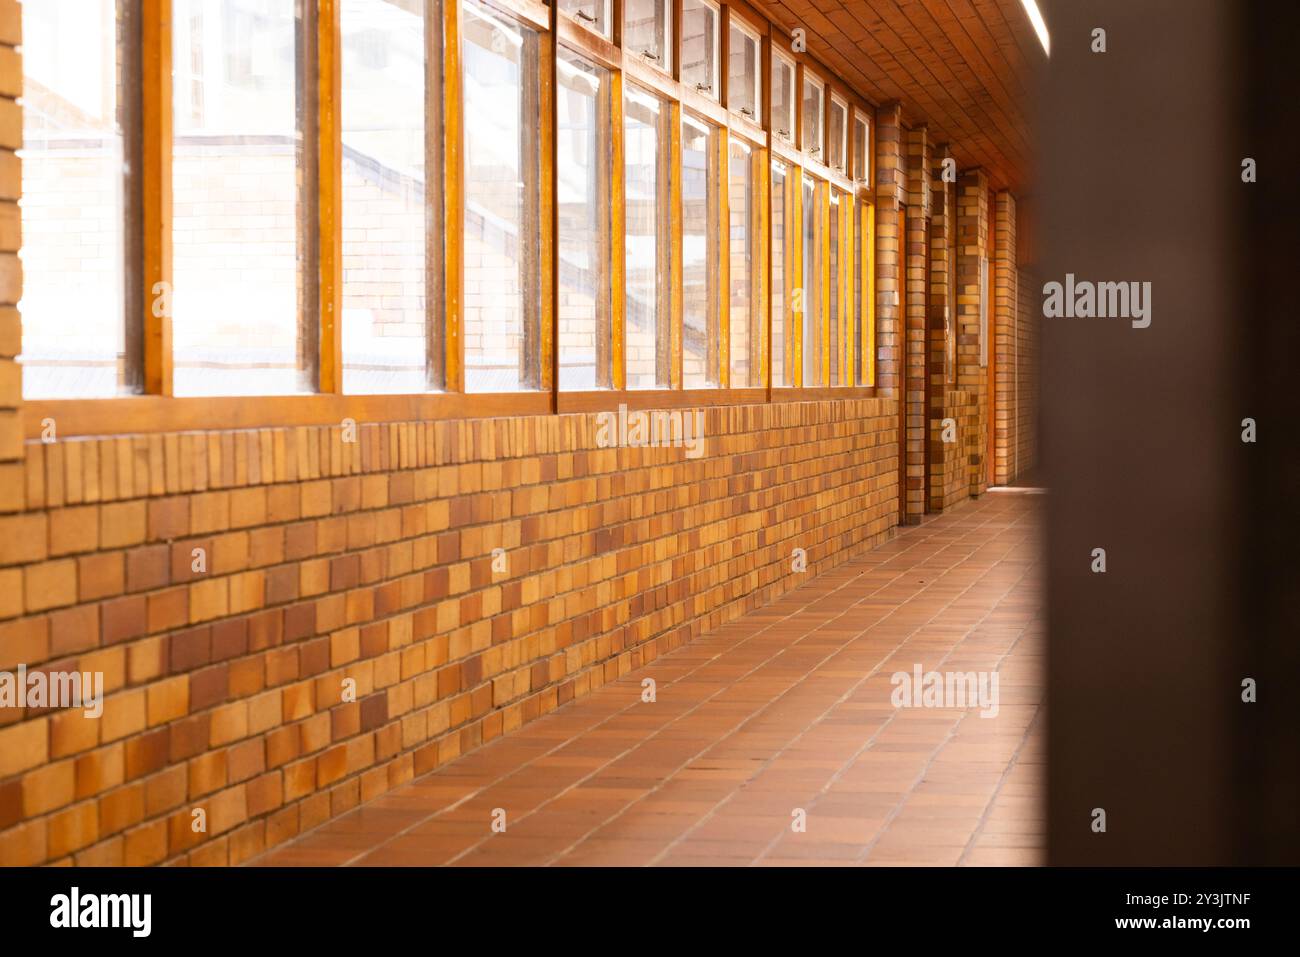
x: 963, y: 68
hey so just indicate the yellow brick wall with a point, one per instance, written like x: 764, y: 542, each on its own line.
x: 11, y: 130
x: 372, y: 561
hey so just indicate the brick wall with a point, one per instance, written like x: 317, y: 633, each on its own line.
x: 11, y: 137
x: 1026, y: 384
x: 972, y: 246
x: 372, y: 561
x: 950, y: 461
x: 890, y: 200
x: 1005, y: 292
x: 917, y: 267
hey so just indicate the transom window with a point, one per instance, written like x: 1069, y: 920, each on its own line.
x: 592, y: 14
x: 700, y: 46
x: 783, y: 73
x: 837, y: 135
x: 861, y: 149
x: 743, y: 87
x: 648, y: 31
x: 814, y: 105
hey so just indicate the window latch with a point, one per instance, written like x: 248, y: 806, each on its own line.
x: 747, y: 112
x: 583, y: 15
x: 813, y: 151
x: 650, y: 55
x: 784, y: 134
x: 704, y: 87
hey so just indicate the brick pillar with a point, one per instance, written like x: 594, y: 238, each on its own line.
x: 939, y: 327
x: 914, y: 362
x: 11, y: 278
x: 972, y: 375
x: 890, y: 189
x: 1005, y: 294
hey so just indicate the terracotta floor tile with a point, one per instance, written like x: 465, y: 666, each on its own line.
x: 789, y: 707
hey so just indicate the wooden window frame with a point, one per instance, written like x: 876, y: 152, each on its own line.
x: 156, y: 409
x: 816, y: 154
x: 666, y: 305
x: 792, y: 116
x: 832, y: 101
x: 739, y: 23
x: 666, y: 62
x: 714, y: 90
x: 610, y: 329
x: 606, y: 7
x: 539, y: 336
x: 860, y: 159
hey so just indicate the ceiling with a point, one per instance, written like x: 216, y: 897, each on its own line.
x: 962, y: 67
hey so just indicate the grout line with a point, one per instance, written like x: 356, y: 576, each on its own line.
x: 683, y: 715
x: 888, y: 721
x: 631, y: 706
x: 988, y: 808
x: 755, y: 715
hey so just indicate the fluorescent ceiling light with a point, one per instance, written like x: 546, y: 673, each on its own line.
x: 1040, y: 25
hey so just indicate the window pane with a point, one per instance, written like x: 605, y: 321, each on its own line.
x: 700, y: 194
x: 838, y: 130
x: 742, y: 84
x: 836, y: 226
x: 646, y: 145
x: 781, y: 238
x: 582, y: 167
x: 239, y: 235
x: 385, y: 342
x: 700, y: 46
x: 73, y: 303
x: 593, y: 14
x: 861, y: 141
x: 502, y: 307
x: 783, y: 98
x: 746, y: 332
x: 647, y: 30
x: 813, y: 105
x: 864, y: 344
x: 812, y: 286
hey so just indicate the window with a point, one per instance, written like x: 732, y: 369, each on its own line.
x: 811, y: 298
x: 647, y: 306
x: 782, y: 97
x: 861, y: 150
x: 243, y: 202
x: 648, y: 30
x: 700, y: 46
x: 782, y: 258
x: 742, y: 72
x: 838, y: 130
x: 700, y: 240
x: 984, y: 311
x: 864, y: 285
x: 73, y: 304
x: 835, y: 260
x: 744, y: 265
x: 386, y: 330
x: 583, y: 207
x: 501, y: 327
x: 592, y: 14
x: 286, y: 205
x: 814, y: 102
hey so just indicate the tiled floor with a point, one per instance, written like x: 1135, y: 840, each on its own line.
x: 786, y: 710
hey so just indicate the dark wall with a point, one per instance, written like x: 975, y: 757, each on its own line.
x: 1139, y: 179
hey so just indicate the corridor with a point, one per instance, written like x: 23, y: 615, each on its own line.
x: 772, y: 740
